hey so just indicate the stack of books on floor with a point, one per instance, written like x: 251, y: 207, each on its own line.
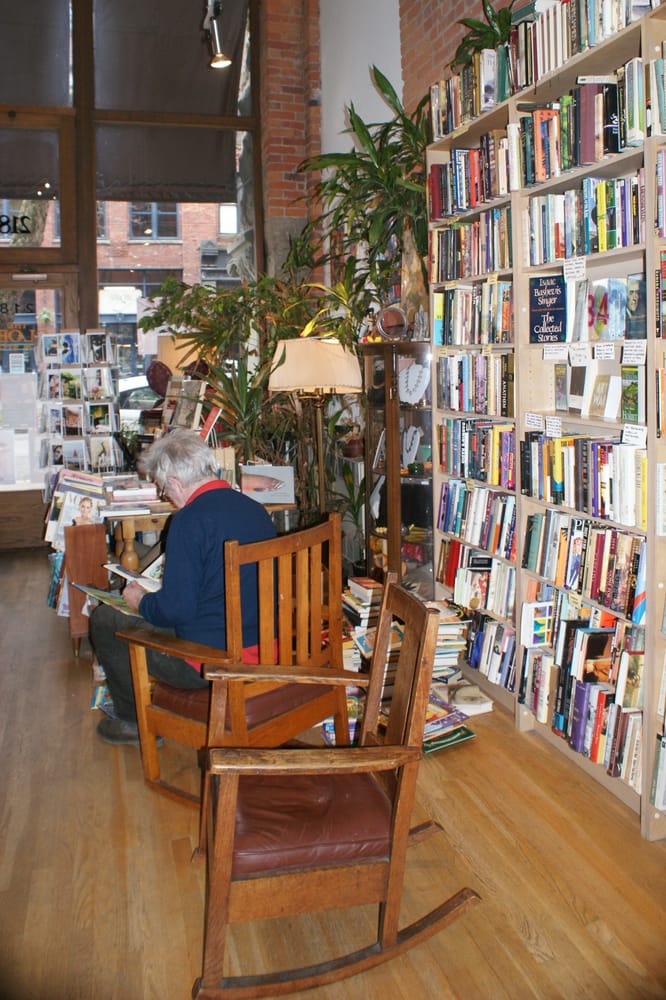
x: 470, y: 698
x: 451, y: 640
x: 446, y: 724
x: 361, y: 600
x: 364, y: 640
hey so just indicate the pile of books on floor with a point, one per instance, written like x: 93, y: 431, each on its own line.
x: 446, y: 724
x: 361, y: 600
x: 449, y: 709
x: 451, y: 640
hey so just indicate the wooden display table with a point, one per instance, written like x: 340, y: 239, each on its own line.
x: 127, y: 526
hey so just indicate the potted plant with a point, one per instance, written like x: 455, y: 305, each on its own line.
x: 374, y: 202
x: 488, y: 34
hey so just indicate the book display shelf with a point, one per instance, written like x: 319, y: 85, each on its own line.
x: 548, y: 298
x: 79, y: 412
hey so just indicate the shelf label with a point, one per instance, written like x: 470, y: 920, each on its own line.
x: 534, y: 421
x: 554, y: 427
x: 556, y: 352
x: 574, y: 269
x: 605, y: 351
x: 580, y: 354
x: 635, y: 434
x: 634, y: 352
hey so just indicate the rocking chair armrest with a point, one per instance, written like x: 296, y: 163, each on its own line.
x: 288, y: 674
x: 322, y: 760
x: 141, y: 635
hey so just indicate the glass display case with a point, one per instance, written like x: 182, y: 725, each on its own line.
x: 399, y: 498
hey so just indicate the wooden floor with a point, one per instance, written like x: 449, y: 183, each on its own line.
x: 99, y: 898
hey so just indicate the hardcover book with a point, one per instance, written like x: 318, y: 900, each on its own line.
x: 548, y: 309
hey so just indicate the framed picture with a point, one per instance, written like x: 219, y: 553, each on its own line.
x: 268, y: 484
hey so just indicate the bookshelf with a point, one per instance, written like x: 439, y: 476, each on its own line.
x: 547, y: 326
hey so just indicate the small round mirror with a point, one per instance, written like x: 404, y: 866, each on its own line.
x: 392, y: 323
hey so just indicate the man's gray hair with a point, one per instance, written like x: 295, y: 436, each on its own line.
x: 181, y: 454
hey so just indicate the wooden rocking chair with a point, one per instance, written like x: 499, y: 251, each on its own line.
x: 295, y: 831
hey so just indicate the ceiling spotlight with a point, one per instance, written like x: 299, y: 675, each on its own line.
x: 211, y: 25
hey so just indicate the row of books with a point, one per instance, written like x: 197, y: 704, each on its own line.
x: 598, y: 685
x: 543, y: 37
x: 599, y: 116
x: 596, y: 725
x: 473, y: 248
x: 485, y: 584
x: 581, y: 389
x: 599, y: 215
x: 491, y: 650
x: 600, y: 476
x: 478, y: 449
x: 548, y: 140
x: 474, y: 313
x: 476, y: 382
x: 473, y: 176
x: 481, y: 516
x: 607, y: 309
x: 601, y: 564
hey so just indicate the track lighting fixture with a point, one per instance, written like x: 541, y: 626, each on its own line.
x: 211, y: 25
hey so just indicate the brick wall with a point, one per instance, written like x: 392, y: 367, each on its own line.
x: 429, y: 36
x: 290, y: 113
x: 291, y: 87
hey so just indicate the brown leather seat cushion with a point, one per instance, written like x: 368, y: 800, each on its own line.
x: 307, y: 821
x: 193, y: 704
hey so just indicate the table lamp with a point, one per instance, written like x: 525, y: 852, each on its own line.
x: 314, y: 368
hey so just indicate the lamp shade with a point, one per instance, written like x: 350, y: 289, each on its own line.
x: 315, y: 366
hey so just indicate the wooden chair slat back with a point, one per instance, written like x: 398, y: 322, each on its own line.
x: 413, y: 670
x: 305, y: 569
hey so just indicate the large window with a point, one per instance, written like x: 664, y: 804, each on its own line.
x: 153, y: 221
x: 159, y: 182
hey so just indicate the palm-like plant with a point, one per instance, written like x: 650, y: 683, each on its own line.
x: 373, y: 195
x: 488, y: 34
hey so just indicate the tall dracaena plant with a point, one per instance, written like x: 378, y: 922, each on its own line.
x: 372, y: 194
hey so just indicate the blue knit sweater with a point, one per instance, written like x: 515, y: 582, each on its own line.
x: 191, y: 600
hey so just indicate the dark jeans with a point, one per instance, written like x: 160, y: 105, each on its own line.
x: 113, y: 655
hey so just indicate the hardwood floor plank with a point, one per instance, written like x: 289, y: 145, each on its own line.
x: 99, y: 896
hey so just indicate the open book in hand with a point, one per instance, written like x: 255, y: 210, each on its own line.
x: 96, y: 596
x: 150, y: 578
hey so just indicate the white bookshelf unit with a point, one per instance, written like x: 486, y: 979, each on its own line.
x: 507, y: 409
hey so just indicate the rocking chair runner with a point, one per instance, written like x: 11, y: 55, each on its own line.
x: 296, y: 831
x: 304, y: 570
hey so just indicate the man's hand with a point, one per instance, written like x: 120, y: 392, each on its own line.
x: 133, y: 593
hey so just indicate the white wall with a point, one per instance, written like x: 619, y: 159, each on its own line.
x: 355, y: 35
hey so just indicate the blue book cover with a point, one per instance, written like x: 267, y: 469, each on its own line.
x: 548, y: 309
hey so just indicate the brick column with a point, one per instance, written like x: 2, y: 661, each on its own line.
x: 290, y: 116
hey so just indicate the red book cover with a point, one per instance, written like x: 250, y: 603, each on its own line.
x: 587, y: 93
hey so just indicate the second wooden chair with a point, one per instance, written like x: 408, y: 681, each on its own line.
x: 303, y: 571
